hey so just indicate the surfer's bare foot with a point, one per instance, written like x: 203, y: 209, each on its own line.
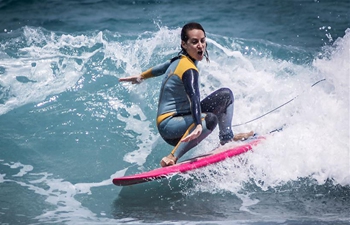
x: 243, y: 136
x: 168, y: 160
x: 239, y: 137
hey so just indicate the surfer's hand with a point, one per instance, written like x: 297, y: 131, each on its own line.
x: 133, y: 79
x: 194, y: 134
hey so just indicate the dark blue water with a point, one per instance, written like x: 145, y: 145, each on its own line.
x: 67, y: 126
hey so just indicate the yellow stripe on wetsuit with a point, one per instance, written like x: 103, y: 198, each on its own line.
x: 183, y: 65
x: 183, y: 136
x: 163, y: 117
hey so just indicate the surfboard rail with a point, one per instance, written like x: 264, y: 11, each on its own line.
x: 187, y: 165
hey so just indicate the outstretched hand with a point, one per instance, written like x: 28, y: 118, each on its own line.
x: 194, y: 134
x: 133, y: 79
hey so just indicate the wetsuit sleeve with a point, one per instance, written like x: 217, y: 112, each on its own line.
x: 190, y: 81
x: 156, y: 70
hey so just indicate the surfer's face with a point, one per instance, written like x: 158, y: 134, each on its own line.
x: 196, y: 44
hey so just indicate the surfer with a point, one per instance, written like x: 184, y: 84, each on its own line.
x: 183, y: 120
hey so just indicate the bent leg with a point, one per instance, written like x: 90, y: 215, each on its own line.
x: 220, y: 103
x: 209, y: 122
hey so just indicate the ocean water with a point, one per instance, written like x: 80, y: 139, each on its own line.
x: 68, y: 127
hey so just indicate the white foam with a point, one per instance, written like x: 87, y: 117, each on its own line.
x: 136, y: 122
x: 24, y: 168
x: 247, y: 202
x: 85, y: 188
x: 43, y: 66
x: 315, y: 141
x: 61, y: 195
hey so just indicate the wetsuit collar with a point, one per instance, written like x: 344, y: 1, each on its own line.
x: 192, y: 59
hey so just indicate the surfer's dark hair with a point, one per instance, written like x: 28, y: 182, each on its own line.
x: 184, y: 36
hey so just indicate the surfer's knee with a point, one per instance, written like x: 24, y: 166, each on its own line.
x: 226, y: 94
x: 211, y: 120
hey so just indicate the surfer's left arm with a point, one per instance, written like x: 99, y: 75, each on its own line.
x: 152, y: 72
x: 190, y: 80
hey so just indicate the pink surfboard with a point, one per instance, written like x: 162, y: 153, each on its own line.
x: 215, y: 156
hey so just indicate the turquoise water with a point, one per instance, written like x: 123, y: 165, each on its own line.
x: 67, y: 126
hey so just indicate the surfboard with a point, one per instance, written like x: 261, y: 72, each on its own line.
x: 212, y: 157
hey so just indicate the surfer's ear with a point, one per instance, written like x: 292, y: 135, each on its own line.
x: 183, y: 45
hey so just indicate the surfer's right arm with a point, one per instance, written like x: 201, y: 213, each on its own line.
x: 152, y: 72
